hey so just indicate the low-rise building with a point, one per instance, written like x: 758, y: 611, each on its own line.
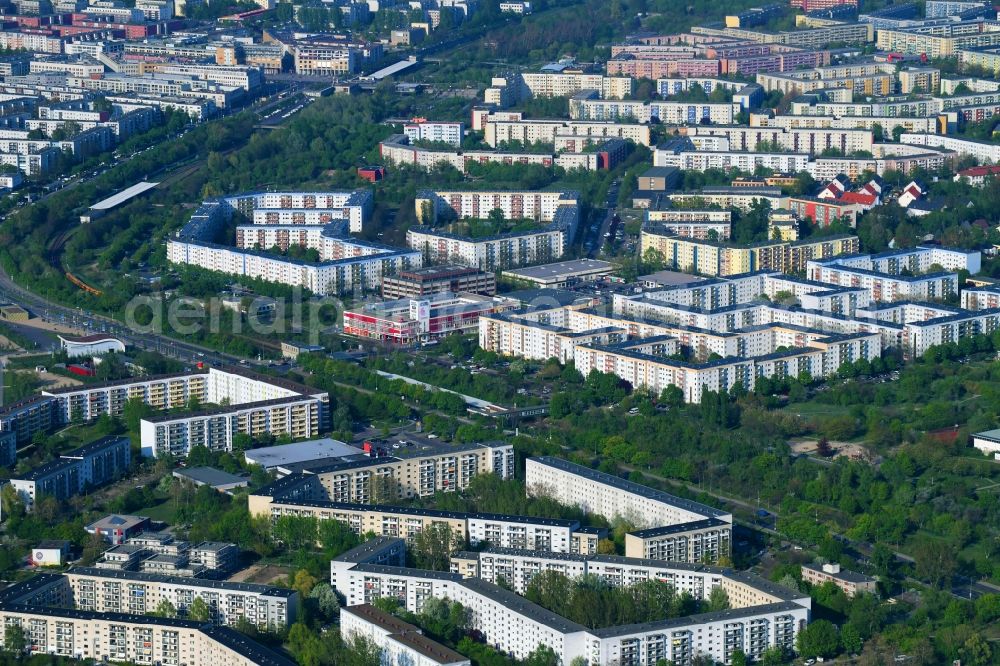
x: 561, y: 274
x: 116, y: 528
x: 211, y: 477
x: 988, y: 442
x: 409, y: 320
x: 50, y: 553
x: 849, y: 581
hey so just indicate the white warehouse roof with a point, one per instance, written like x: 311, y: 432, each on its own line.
x: 287, y: 454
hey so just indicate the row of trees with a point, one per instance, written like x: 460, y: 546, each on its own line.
x: 596, y: 603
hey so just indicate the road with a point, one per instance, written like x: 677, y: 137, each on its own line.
x: 89, y: 322
x: 601, y: 223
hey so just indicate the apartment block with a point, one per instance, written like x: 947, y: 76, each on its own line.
x: 610, y: 496
x: 246, y: 403
x: 136, y: 639
x: 424, y: 473
x: 28, y: 417
x: 559, y: 84
x: 350, y: 264
x: 802, y: 140
x: 557, y: 212
x: 400, y: 642
x: 701, y: 160
x: 762, y: 615
x: 502, y: 130
x: 422, y: 130
x: 981, y: 298
x: 518, y: 567
x: 699, y: 541
x: 77, y: 471
x: 405, y: 523
x: 984, y: 152
x: 298, y: 416
x: 713, y: 258
x: 438, y: 279
x: 572, y: 152
x: 585, y: 106
x: 109, y: 591
x: 939, y: 41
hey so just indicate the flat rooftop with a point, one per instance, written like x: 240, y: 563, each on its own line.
x: 289, y: 454
x: 561, y: 269
x: 634, y: 488
x: 117, y: 522
x: 121, y: 197
x: 993, y: 435
x: 253, y: 588
x: 670, y: 278
x: 209, y: 476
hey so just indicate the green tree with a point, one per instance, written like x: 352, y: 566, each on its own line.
x: 432, y: 547
x: 976, y: 651
x: 165, y: 609
x: 772, y: 656
x: 303, y: 582
x: 326, y: 600
x: 199, y: 611
x: 134, y: 410
x: 818, y: 639
x: 739, y: 658
x: 935, y: 561
x: 496, y: 218
x: 14, y: 641
x: 718, y: 600
x: 336, y: 537
x: 850, y: 639
x: 543, y: 655
x: 305, y: 645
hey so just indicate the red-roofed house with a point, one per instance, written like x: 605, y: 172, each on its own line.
x: 835, y: 188
x: 911, y: 193
x: 866, y: 200
x: 977, y: 175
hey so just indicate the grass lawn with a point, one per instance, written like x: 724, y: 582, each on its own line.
x: 807, y: 409
x: 161, y: 512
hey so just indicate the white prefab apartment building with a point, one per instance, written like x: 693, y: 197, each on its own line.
x: 353, y: 206
x: 561, y: 84
x: 538, y: 206
x: 558, y: 214
x: 237, y: 400
x: 762, y: 614
x: 134, y: 639
x: 446, y: 469
x: 505, y: 128
x: 298, y: 416
x: 112, y: 591
x: 48, y: 608
x: 450, y: 133
x: 317, y: 220
x: 610, y: 496
x: 401, y: 643
x: 585, y: 106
